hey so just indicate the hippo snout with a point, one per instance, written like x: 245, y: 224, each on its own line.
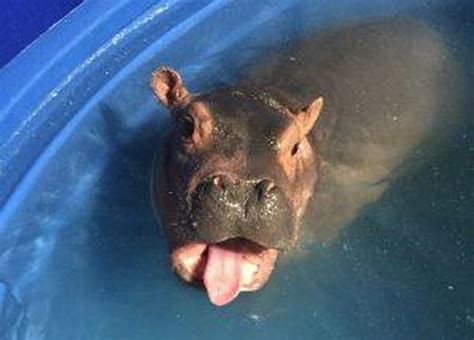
x: 256, y: 209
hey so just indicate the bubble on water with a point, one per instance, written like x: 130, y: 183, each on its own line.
x: 254, y: 317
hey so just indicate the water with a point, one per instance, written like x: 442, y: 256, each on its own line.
x: 82, y: 256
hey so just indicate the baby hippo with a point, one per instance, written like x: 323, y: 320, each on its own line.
x: 237, y: 169
x: 232, y: 182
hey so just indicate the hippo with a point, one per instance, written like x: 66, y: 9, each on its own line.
x: 240, y: 165
x: 239, y: 173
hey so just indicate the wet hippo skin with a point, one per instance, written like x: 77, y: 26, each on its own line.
x: 323, y: 122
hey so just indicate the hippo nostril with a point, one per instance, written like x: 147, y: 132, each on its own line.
x: 263, y: 188
x: 219, y: 182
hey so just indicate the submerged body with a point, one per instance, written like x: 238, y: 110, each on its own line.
x: 240, y: 165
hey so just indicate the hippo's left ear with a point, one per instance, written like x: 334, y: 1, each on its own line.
x: 168, y: 87
x: 309, y: 115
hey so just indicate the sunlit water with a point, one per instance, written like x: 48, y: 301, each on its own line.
x: 82, y: 256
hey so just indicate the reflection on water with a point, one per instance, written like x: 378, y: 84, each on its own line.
x: 85, y: 258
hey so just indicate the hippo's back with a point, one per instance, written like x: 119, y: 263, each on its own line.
x: 380, y: 82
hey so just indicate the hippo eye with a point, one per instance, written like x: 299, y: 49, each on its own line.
x: 295, y: 149
x: 186, y: 127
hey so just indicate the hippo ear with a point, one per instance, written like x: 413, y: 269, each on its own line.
x: 168, y: 87
x: 309, y: 115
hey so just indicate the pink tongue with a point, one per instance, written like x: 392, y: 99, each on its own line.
x: 222, y: 275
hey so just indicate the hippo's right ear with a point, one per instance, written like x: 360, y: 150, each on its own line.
x: 169, y: 88
x: 309, y: 115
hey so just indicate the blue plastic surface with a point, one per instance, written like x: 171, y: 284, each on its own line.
x: 23, y: 21
x: 81, y: 256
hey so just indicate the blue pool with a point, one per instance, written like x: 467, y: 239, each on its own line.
x: 81, y: 254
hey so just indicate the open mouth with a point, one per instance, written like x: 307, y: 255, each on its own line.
x: 225, y: 268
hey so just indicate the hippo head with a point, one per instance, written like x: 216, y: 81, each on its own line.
x: 231, y: 183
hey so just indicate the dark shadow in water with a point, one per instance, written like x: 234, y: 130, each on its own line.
x: 123, y: 255
x: 130, y: 230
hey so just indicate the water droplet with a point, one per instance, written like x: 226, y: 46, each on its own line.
x: 254, y: 317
